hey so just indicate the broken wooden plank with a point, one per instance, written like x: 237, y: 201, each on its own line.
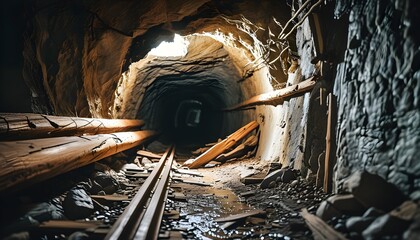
x: 320, y: 230
x: 111, y: 198
x: 69, y: 225
x: 148, y: 154
x: 240, y: 216
x: 137, y: 174
x: 222, y: 146
x: 26, y: 162
x: 252, y: 180
x: 240, y: 150
x: 188, y: 172
x: 277, y: 97
x: 15, y: 126
x: 197, y: 182
x: 229, y: 225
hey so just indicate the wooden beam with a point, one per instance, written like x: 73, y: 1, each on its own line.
x: 240, y: 150
x: 26, y: 162
x: 329, y: 145
x: 320, y: 230
x: 277, y: 97
x: 15, y: 126
x: 222, y: 146
x: 238, y: 216
x: 148, y: 154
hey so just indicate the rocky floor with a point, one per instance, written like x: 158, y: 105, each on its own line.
x: 208, y: 203
x: 201, y: 213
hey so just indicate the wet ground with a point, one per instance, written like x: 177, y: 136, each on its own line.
x: 199, y: 213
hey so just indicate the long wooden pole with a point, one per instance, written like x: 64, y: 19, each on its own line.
x: 277, y: 97
x: 223, y: 146
x: 14, y: 126
x: 26, y: 162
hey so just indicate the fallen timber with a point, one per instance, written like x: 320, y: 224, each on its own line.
x: 222, y: 146
x: 277, y: 97
x: 15, y: 126
x: 29, y: 161
x: 142, y: 217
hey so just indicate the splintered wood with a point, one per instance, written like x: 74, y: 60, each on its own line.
x: 277, y: 97
x: 222, y: 146
x: 29, y: 161
x: 320, y: 230
x: 14, y: 126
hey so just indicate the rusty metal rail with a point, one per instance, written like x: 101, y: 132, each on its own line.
x: 142, y: 217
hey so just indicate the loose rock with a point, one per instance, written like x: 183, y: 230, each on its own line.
x: 373, y: 191
x: 77, y: 204
x: 358, y: 224
x: 108, y: 183
x: 385, y: 225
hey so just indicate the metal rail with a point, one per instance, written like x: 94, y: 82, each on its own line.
x: 142, y: 217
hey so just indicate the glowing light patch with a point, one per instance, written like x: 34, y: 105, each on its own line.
x: 177, y: 48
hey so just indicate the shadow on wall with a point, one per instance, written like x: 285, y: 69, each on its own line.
x: 14, y: 94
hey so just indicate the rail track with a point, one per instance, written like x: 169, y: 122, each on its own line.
x: 142, y: 217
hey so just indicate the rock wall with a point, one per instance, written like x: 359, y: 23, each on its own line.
x: 378, y: 89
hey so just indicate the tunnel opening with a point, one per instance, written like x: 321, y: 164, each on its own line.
x: 182, y: 88
x: 184, y: 115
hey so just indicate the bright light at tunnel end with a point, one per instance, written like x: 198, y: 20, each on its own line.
x: 177, y: 48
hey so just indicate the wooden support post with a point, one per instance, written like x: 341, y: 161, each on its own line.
x: 277, y: 97
x: 26, y: 162
x: 222, y: 146
x: 14, y: 126
x: 330, y: 144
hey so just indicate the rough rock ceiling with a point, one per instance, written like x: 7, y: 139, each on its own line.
x: 85, y: 46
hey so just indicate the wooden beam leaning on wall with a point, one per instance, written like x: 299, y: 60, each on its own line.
x: 222, y: 146
x: 277, y: 97
x: 26, y: 162
x: 14, y: 126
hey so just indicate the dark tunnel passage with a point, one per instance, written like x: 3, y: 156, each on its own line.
x: 182, y: 97
x: 185, y: 111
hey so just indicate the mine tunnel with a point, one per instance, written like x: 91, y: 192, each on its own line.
x: 210, y: 119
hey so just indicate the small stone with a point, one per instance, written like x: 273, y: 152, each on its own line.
x: 272, y: 184
x: 327, y: 211
x: 347, y: 204
x: 101, y: 193
x: 46, y: 211
x: 340, y: 227
x: 109, y: 184
x: 78, y: 236
x: 271, y: 178
x: 77, y: 204
x: 385, y: 225
x: 288, y: 176
x: 415, y: 196
x: 373, y: 212
x: 95, y: 188
x: 358, y: 224
x: 145, y: 161
x: 294, y: 183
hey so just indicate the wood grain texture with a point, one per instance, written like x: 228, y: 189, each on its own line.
x: 277, y: 97
x: 222, y: 146
x: 320, y: 230
x: 26, y: 162
x: 15, y: 126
